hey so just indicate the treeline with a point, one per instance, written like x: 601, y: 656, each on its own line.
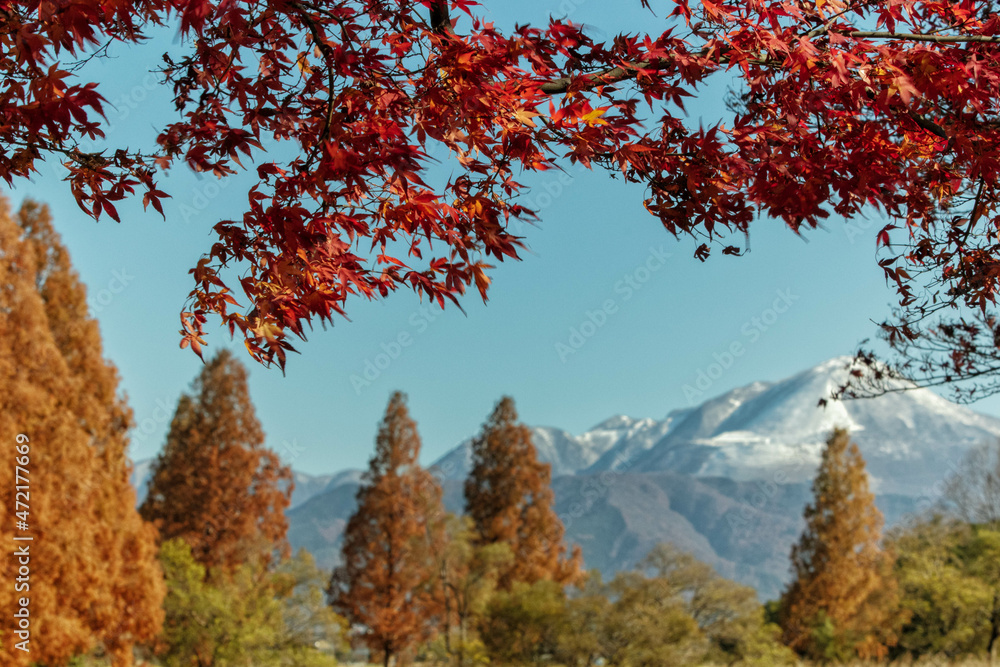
x: 498, y: 585
x: 201, y: 573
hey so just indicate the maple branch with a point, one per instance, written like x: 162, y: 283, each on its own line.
x: 609, y: 76
x: 927, y: 124
x: 328, y: 58
x: 977, y: 211
x: 629, y: 71
x: 917, y: 37
x: 441, y: 18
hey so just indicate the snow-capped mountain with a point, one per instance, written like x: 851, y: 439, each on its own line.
x: 772, y: 431
x: 141, y: 473
x: 776, y: 431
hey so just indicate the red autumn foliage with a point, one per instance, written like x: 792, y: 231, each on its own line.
x: 845, y: 107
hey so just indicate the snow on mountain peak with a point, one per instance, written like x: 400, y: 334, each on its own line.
x: 616, y: 423
x: 772, y: 431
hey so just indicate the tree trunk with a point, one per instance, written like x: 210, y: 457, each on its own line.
x: 994, y: 627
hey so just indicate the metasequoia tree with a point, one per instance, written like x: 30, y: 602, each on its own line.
x: 843, y: 597
x: 509, y: 498
x: 215, y: 484
x: 840, y: 108
x: 93, y: 576
x: 386, y: 580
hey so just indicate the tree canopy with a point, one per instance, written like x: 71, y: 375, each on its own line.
x: 85, y: 561
x: 508, y: 496
x: 215, y: 484
x: 385, y: 582
x: 842, y: 601
x: 840, y: 108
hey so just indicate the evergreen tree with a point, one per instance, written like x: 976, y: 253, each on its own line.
x: 509, y: 497
x: 94, y: 579
x: 843, y: 598
x: 215, y: 484
x: 385, y: 582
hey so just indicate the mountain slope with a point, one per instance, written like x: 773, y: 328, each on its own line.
x: 777, y: 431
x: 743, y: 529
x: 565, y: 452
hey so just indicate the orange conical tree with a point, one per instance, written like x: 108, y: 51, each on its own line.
x: 384, y: 583
x: 843, y: 600
x: 509, y: 497
x: 214, y: 484
x: 94, y: 578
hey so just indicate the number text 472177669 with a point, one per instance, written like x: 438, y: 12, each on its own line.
x: 22, y: 547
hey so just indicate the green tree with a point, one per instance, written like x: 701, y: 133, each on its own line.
x: 728, y: 613
x: 948, y: 603
x: 950, y: 582
x: 523, y: 625
x: 467, y: 577
x: 647, y: 625
x: 247, y: 616
x: 312, y: 631
x: 587, y: 608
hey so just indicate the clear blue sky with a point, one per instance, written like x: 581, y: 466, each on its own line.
x: 594, y: 233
